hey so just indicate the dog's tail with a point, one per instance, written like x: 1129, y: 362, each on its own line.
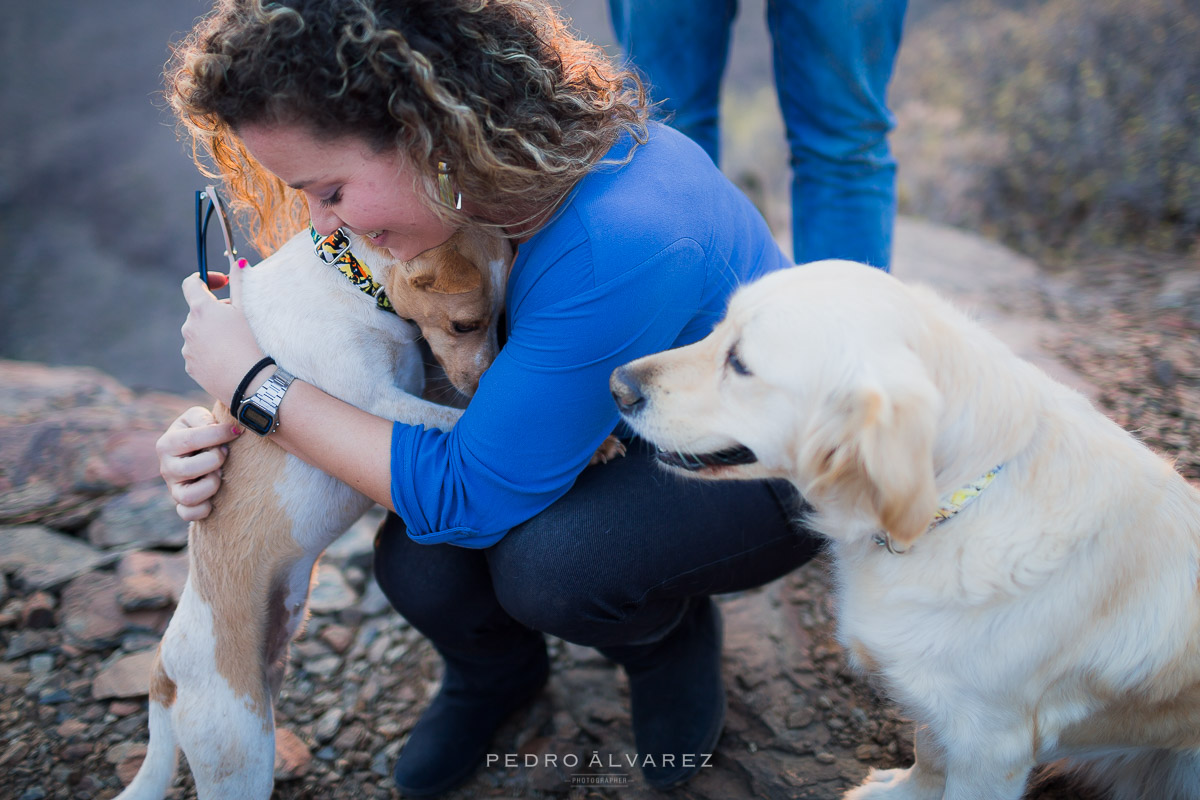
x: 1145, y: 774
x: 162, y: 755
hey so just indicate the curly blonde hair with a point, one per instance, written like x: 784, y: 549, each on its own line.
x: 501, y: 90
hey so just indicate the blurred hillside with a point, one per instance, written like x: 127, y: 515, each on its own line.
x: 1053, y: 125
x: 1060, y: 127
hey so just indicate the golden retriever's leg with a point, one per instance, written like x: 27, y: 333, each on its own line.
x: 924, y: 780
x: 993, y: 764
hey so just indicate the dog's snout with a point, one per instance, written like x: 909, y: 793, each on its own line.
x: 626, y: 391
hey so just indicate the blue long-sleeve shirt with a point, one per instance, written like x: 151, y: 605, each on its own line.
x: 640, y: 258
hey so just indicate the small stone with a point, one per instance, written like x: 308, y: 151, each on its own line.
x: 124, y: 676
x: 350, y: 739
x: 144, y: 516
x: 91, y: 616
x: 331, y: 593
x: 325, y: 667
x: 292, y: 756
x: 127, y: 767
x: 27, y: 642
x: 868, y: 752
x: 15, y: 753
x: 70, y: 728
x: 38, y: 611
x: 374, y: 602
x: 356, y: 547
x: 338, y: 637
x: 77, y: 751
x: 381, y: 764
x: 1164, y: 372
x: 826, y: 757
x: 327, y: 726
x: 124, y: 751
x: 45, y: 559
x: 151, y: 580
x: 123, y: 708
x: 42, y: 664
x: 800, y: 718
x: 54, y: 697
x: 35, y: 793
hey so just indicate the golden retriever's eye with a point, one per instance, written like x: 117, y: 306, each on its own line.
x: 735, y: 363
x: 465, y: 327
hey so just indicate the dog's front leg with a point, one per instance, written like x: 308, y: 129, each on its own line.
x: 403, y: 407
x: 978, y: 777
x: 924, y: 780
x: 988, y: 761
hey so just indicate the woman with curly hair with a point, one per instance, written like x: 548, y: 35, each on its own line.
x: 356, y: 114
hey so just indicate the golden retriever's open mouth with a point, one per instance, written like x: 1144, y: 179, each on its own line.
x: 695, y: 462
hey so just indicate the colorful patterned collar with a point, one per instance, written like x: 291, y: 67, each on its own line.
x: 334, y: 250
x: 949, y: 507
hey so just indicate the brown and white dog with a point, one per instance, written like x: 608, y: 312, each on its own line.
x: 1054, y: 617
x: 251, y: 562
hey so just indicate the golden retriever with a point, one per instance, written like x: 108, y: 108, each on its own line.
x: 1021, y: 573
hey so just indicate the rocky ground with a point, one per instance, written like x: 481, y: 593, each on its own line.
x: 91, y: 563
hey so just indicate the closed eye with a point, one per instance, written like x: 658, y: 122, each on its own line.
x: 735, y: 363
x: 332, y: 199
x: 465, y: 327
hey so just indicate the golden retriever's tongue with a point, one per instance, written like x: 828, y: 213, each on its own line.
x: 693, y: 462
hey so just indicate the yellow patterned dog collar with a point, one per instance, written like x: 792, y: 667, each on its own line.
x: 334, y: 250
x: 949, y: 507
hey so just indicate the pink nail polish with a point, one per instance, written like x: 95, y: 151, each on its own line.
x: 234, y: 430
x: 243, y: 263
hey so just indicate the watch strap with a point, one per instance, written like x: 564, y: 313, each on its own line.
x: 240, y: 392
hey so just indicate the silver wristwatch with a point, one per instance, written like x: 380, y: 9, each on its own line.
x: 260, y: 411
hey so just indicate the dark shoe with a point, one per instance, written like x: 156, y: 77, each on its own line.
x: 452, y: 737
x: 677, y: 697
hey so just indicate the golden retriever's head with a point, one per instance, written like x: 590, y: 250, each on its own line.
x: 455, y: 293
x: 811, y: 376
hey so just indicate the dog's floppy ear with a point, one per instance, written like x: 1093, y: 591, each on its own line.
x: 447, y: 271
x: 874, y: 449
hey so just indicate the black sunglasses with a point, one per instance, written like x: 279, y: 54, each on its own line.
x: 204, y: 213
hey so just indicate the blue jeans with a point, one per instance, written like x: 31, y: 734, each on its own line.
x: 612, y: 564
x: 833, y: 60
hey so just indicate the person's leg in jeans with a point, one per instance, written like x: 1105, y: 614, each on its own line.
x: 680, y: 48
x: 833, y: 60
x: 625, y: 562
x: 493, y: 664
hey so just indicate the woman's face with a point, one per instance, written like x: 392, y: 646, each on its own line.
x: 349, y: 185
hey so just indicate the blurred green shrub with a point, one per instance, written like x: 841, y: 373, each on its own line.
x: 1066, y: 126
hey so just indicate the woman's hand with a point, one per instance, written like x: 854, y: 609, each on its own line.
x: 218, y: 345
x: 190, y: 455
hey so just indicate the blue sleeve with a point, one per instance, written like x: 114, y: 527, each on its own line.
x: 544, y: 406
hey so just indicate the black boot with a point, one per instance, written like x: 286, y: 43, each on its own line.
x: 677, y: 696
x: 452, y: 736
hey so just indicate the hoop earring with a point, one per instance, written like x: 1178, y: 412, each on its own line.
x: 446, y: 192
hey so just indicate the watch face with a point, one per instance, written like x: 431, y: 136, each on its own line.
x: 255, y: 419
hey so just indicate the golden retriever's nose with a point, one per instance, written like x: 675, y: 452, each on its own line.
x: 626, y: 392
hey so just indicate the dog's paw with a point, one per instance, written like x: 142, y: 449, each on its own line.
x: 892, y: 784
x: 609, y: 449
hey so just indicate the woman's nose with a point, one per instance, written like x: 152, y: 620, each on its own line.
x: 324, y: 220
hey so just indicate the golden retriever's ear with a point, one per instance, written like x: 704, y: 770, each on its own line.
x: 875, y: 450
x: 447, y: 271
